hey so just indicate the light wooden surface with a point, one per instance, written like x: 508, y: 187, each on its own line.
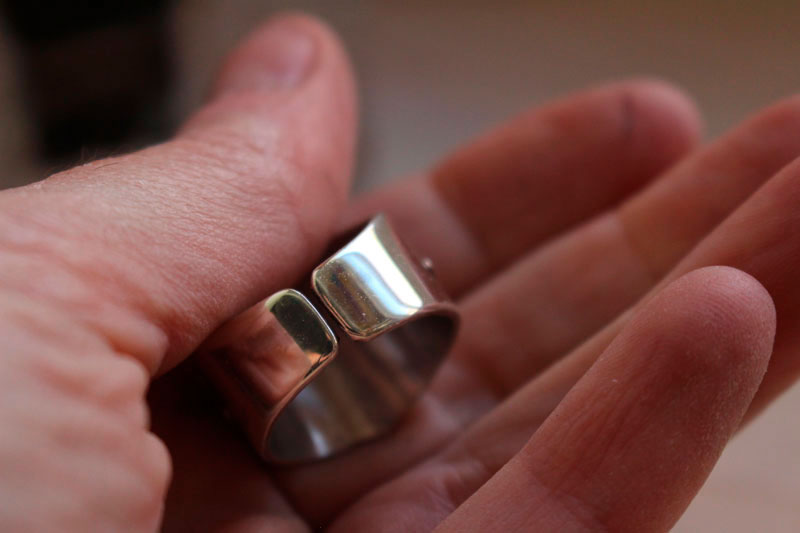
x: 435, y: 73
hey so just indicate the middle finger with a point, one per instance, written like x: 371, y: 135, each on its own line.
x: 558, y: 295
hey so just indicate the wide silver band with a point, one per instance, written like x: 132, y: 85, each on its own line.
x: 313, y: 372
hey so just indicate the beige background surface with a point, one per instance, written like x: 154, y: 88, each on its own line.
x: 435, y: 73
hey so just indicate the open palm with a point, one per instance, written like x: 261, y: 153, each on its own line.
x: 603, y: 361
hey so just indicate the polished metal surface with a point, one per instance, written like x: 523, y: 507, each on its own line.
x: 371, y: 285
x: 309, y: 376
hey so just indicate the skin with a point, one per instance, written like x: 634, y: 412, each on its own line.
x: 628, y: 297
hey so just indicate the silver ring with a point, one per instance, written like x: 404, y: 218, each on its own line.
x: 312, y: 372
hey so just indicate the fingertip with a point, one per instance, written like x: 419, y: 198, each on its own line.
x: 782, y: 117
x: 279, y: 54
x: 730, y: 284
x: 657, y: 407
x: 657, y: 115
x: 724, y: 319
x: 677, y: 107
x: 286, y: 94
x: 292, y: 64
x: 730, y: 296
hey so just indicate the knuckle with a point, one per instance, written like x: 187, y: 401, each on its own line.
x: 115, y: 474
x: 144, y: 467
x: 64, y: 280
x: 152, y: 467
x: 83, y: 406
x: 117, y: 383
x: 82, y: 368
x: 134, y: 466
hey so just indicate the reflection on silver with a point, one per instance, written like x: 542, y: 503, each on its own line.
x: 310, y: 376
x: 371, y: 285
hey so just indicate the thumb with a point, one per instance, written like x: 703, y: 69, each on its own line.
x: 156, y: 248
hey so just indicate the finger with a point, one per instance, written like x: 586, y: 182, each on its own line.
x: 556, y: 297
x: 633, y: 441
x: 156, y: 248
x: 761, y: 238
x: 536, y: 176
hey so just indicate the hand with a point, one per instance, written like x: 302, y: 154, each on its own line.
x: 602, y: 363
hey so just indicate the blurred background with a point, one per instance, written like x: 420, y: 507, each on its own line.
x: 88, y: 79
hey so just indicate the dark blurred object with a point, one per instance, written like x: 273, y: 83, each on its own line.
x: 95, y: 73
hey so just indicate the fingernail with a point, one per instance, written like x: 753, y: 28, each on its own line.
x: 280, y: 56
